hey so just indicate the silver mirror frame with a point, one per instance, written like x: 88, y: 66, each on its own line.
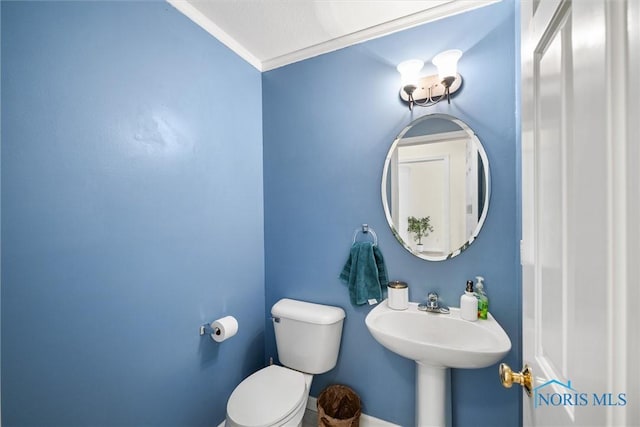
x: 487, y: 177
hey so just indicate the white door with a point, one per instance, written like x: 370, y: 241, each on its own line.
x: 580, y: 211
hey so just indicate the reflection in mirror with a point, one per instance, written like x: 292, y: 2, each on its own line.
x: 437, y: 174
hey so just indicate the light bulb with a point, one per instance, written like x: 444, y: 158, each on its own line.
x: 410, y: 72
x: 447, y: 63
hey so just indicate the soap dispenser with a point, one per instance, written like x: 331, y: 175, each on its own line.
x: 469, y: 304
x: 483, y: 300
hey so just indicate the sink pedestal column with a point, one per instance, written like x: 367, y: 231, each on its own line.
x: 433, y: 406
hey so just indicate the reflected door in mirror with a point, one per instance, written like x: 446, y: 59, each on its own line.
x: 436, y: 169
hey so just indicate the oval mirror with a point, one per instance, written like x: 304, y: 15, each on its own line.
x: 435, y: 187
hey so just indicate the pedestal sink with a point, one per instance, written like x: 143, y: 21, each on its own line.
x: 437, y: 342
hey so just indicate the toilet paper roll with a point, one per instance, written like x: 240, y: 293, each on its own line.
x: 224, y: 328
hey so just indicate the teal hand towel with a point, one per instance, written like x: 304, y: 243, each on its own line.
x: 382, y: 270
x: 365, y: 273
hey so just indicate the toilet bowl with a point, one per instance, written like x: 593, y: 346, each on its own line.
x: 308, y: 341
x: 273, y: 396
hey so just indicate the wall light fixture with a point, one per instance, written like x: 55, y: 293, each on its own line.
x: 429, y: 90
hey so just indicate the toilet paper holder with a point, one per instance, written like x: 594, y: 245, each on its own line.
x: 220, y: 329
x: 209, y: 330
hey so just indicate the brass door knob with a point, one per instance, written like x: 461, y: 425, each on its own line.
x: 508, y: 377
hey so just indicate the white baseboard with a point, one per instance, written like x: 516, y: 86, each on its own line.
x: 365, y: 420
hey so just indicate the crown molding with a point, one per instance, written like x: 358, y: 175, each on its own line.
x: 410, y: 21
x: 206, y: 24
x: 453, y: 7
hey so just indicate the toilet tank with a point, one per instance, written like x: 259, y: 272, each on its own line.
x: 307, y: 335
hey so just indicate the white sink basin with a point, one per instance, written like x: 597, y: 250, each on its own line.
x: 437, y: 342
x: 443, y: 340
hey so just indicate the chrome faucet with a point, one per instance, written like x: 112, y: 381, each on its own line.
x: 433, y: 305
x: 432, y: 300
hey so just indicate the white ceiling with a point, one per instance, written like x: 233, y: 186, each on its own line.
x: 271, y: 33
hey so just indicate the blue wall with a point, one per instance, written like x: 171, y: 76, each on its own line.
x: 132, y: 200
x: 132, y: 209
x: 328, y: 123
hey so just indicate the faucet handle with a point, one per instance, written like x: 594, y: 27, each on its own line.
x: 432, y: 299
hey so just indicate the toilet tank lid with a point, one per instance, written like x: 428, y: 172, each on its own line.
x: 307, y: 312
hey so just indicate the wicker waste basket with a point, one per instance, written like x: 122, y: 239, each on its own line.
x: 338, y: 406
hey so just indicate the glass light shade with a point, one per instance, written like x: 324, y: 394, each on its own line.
x: 447, y: 63
x: 410, y: 72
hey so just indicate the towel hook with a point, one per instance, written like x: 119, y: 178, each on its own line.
x: 366, y: 229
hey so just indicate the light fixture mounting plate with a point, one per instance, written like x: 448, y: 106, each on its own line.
x: 433, y: 81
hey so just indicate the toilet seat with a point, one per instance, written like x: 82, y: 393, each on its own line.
x: 267, y: 397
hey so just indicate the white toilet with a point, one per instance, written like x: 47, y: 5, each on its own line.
x: 308, y: 340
